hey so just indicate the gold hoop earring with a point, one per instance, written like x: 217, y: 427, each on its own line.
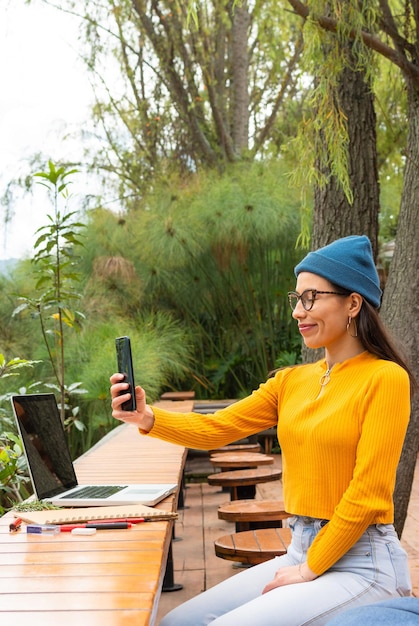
x: 348, y: 327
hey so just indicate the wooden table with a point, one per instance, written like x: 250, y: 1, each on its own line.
x: 113, y: 578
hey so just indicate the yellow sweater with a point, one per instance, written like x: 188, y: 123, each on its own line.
x: 340, y: 443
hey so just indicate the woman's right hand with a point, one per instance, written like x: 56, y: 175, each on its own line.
x: 142, y: 417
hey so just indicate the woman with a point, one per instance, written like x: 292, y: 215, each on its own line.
x: 341, y: 424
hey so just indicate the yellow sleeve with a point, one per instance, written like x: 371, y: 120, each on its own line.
x: 241, y: 419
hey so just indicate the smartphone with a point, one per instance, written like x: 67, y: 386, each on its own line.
x: 124, y: 360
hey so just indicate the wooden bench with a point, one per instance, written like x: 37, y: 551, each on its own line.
x: 242, y: 483
x: 252, y: 514
x: 176, y: 396
x: 253, y: 546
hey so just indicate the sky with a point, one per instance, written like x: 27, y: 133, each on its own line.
x: 45, y: 93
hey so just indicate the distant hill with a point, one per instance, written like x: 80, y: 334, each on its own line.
x: 7, y: 266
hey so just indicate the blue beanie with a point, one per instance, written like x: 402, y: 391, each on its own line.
x: 348, y: 263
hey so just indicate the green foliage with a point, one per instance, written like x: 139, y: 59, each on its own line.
x: 54, y: 265
x: 13, y: 366
x: 218, y: 253
x: 197, y: 275
x: 322, y: 140
x: 13, y: 471
x: 35, y: 505
x: 15, y: 335
x: 391, y: 105
x: 161, y: 354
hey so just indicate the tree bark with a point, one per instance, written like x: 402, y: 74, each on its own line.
x: 240, y: 78
x: 333, y: 215
x: 400, y: 308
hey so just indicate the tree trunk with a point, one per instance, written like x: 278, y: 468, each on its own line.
x: 400, y: 302
x: 240, y: 78
x: 334, y: 217
x: 400, y: 308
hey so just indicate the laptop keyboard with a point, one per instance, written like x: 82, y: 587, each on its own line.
x: 95, y: 491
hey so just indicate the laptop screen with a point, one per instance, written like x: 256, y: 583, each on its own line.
x: 45, y: 444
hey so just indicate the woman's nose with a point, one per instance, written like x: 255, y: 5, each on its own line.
x: 299, y: 311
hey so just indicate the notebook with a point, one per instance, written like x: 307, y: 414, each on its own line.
x: 83, y: 514
x: 50, y: 466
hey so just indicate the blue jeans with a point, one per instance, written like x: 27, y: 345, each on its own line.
x: 375, y: 568
x: 394, y: 612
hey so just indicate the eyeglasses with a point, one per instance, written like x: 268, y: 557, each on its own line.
x: 308, y: 297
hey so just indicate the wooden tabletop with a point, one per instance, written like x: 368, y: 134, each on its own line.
x: 252, y: 511
x: 112, y: 578
x: 245, y: 477
x: 236, y: 447
x: 240, y: 459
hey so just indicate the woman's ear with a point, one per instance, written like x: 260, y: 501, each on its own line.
x: 355, y: 304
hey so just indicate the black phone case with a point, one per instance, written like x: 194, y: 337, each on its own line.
x: 124, y: 360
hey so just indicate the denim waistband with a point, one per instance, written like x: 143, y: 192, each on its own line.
x: 382, y: 529
x: 310, y: 521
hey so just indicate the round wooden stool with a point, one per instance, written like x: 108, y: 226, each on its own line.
x: 253, y: 546
x: 252, y: 514
x: 240, y: 460
x: 237, y: 447
x: 243, y: 482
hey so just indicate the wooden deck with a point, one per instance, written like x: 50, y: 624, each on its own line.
x: 196, y: 565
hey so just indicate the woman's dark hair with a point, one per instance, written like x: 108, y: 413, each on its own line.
x: 377, y: 340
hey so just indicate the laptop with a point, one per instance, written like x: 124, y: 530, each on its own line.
x: 50, y: 466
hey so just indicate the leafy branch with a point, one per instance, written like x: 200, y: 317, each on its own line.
x: 54, y: 264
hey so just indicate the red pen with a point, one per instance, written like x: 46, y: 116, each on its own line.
x: 67, y: 528
x: 15, y: 526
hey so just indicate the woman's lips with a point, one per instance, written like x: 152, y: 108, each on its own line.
x: 305, y: 328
